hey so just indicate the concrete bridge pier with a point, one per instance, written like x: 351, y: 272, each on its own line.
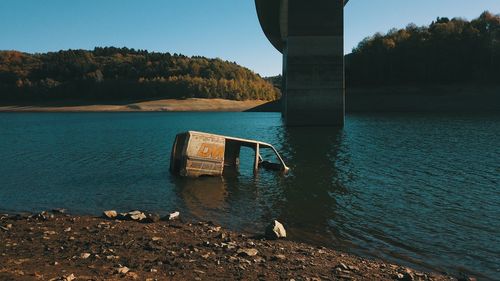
x: 310, y: 34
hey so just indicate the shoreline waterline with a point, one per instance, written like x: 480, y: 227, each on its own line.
x: 161, y: 105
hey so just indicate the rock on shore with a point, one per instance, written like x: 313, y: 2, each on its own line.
x: 275, y: 230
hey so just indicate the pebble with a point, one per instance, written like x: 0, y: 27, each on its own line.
x: 259, y: 260
x: 104, y: 225
x: 173, y: 216
x: 245, y: 261
x: 111, y: 214
x: 122, y: 270
x: 278, y: 257
x: 135, y: 215
x: 85, y: 256
x: 343, y: 266
x: 214, y: 229
x: 275, y: 230
x: 44, y: 215
x: 247, y: 252
x: 132, y: 275
x: 352, y: 267
x: 70, y: 277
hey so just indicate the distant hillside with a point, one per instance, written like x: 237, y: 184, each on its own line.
x: 120, y: 73
x: 446, y: 51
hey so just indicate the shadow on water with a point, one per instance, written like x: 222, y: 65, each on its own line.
x: 311, y: 191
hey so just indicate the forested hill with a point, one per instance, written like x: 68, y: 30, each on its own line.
x: 446, y: 51
x: 120, y: 73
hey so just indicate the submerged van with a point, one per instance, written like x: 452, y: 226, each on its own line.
x: 196, y: 154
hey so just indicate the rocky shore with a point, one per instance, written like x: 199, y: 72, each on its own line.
x: 142, y: 246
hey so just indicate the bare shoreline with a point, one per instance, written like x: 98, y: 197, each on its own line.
x: 193, y: 104
x: 65, y: 247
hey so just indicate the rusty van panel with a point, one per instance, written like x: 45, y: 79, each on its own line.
x: 196, y: 168
x: 206, y: 146
x: 205, y: 155
x: 197, y: 154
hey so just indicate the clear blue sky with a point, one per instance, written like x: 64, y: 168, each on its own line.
x: 228, y: 29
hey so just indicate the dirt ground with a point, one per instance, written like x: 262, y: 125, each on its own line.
x: 65, y: 247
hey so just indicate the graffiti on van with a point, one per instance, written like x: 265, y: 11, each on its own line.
x: 211, y: 150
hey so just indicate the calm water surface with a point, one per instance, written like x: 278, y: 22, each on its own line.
x: 422, y: 190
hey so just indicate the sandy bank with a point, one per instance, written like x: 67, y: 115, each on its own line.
x: 88, y: 248
x: 421, y: 98
x: 154, y: 105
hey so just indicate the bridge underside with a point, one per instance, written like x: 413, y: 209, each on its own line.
x: 310, y: 36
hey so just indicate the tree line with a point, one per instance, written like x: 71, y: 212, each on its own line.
x: 111, y: 73
x: 446, y: 51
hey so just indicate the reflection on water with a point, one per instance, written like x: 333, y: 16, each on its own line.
x: 202, y: 195
x: 416, y: 189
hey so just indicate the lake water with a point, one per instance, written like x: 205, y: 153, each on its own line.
x: 422, y: 190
